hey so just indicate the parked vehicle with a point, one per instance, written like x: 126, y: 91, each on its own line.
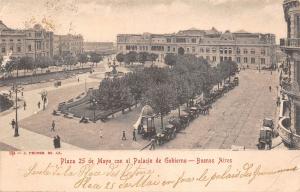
x: 148, y: 133
x: 175, y: 121
x: 167, y: 134
x: 265, y: 138
x: 267, y: 122
x: 236, y: 81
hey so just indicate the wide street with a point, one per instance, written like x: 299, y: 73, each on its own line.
x: 236, y: 118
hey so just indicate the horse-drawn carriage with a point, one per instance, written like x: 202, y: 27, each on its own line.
x: 266, y: 134
x: 147, y: 132
x: 236, y: 81
x: 180, y: 122
x: 168, y: 133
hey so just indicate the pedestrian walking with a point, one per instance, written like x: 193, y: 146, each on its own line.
x: 152, y: 144
x: 101, y: 133
x: 39, y: 104
x: 124, y: 136
x: 56, y: 142
x: 270, y: 88
x: 53, y: 126
x: 24, y: 105
x: 78, y: 79
x: 13, y: 123
x: 133, y: 135
x: 278, y: 102
x: 22, y: 94
x: 44, y: 103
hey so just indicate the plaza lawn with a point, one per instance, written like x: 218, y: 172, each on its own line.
x: 84, y: 135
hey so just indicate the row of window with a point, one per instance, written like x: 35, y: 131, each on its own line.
x: 11, y: 40
x: 252, y: 60
x: 238, y: 59
x: 19, y: 49
x: 181, y: 40
x: 3, y: 49
x: 193, y: 49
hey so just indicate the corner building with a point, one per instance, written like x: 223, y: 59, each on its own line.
x: 289, y: 124
x: 34, y: 42
x: 247, y: 49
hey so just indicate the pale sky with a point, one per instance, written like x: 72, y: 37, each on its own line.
x: 102, y: 20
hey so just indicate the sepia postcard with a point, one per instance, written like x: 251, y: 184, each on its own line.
x: 150, y: 95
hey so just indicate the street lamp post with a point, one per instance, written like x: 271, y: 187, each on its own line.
x: 16, y: 89
x: 94, y: 101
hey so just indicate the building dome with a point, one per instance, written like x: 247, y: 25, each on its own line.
x: 147, y: 111
x: 227, y: 36
x: 37, y: 27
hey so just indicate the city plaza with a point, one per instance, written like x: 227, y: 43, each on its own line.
x: 234, y: 121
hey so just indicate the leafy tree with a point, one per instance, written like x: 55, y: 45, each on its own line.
x: 27, y: 62
x: 170, y: 59
x: 83, y: 58
x: 142, y: 57
x: 12, y: 64
x: 95, y: 58
x: 161, y: 98
x: 69, y: 60
x: 181, y: 91
x: 58, y: 60
x: 153, y: 57
x: 126, y: 97
x: 137, y: 85
x: 227, y: 69
x: 120, y: 57
x: 43, y: 62
x: 130, y: 57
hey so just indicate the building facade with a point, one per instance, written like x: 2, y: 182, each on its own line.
x: 34, y: 42
x: 99, y: 47
x: 248, y: 49
x: 68, y: 44
x: 289, y: 125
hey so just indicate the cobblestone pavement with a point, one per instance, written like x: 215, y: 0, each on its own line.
x: 236, y: 118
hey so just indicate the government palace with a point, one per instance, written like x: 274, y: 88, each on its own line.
x: 254, y: 50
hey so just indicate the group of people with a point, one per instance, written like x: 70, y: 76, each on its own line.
x: 133, y: 135
x: 151, y: 144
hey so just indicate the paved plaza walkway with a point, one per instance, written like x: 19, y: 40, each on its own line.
x: 29, y: 140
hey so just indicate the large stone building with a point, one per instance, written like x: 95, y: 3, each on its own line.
x: 248, y: 49
x: 33, y: 42
x: 99, y: 47
x: 68, y: 44
x: 289, y: 124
